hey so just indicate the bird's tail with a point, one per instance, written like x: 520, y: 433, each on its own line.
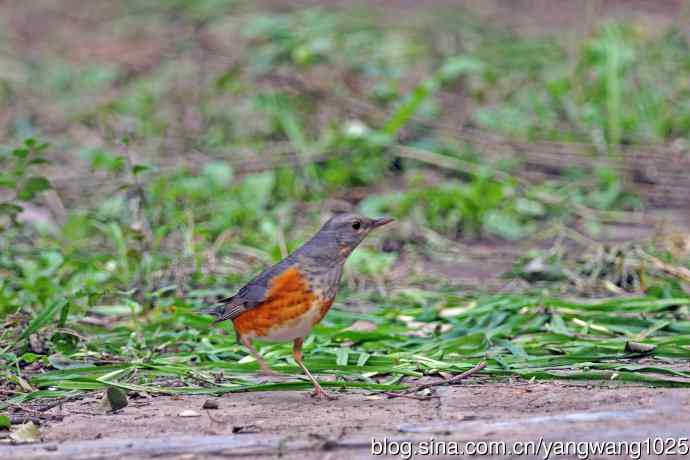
x: 219, y: 310
x: 211, y: 310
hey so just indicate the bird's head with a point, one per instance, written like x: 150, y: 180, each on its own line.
x: 347, y: 230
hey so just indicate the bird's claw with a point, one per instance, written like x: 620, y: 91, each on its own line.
x: 319, y: 393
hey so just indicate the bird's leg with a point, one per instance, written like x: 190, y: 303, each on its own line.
x: 265, y: 368
x: 297, y: 353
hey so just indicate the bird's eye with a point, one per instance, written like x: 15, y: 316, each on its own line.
x: 356, y: 225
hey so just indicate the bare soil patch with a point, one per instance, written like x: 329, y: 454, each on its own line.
x: 293, y: 425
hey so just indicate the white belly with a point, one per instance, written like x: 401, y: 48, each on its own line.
x: 299, y: 327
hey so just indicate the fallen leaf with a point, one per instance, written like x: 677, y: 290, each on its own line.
x: 26, y: 433
x: 455, y: 311
x: 246, y: 429
x: 189, y: 413
x: 637, y: 347
x: 210, y: 404
x: 24, y: 384
x: 114, y: 399
x: 5, y: 422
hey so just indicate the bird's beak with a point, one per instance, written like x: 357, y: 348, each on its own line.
x: 381, y: 222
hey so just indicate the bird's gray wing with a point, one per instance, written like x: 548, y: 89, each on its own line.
x: 250, y: 296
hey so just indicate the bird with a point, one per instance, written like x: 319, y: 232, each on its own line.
x: 285, y: 301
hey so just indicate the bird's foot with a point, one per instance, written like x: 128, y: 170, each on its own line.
x: 319, y: 393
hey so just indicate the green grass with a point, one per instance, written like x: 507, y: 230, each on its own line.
x: 407, y: 335
x: 169, y: 181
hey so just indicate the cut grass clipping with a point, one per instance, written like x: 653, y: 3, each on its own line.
x: 172, y: 351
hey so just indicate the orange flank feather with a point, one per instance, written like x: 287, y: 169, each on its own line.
x: 288, y: 298
x: 325, y: 306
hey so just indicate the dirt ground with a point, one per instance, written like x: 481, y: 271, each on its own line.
x: 292, y: 425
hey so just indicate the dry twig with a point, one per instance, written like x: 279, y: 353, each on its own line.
x: 451, y: 381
